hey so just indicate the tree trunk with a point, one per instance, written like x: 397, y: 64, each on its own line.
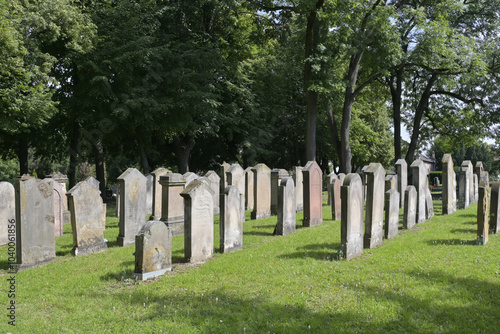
x: 73, y: 155
x: 183, y: 147
x: 396, y: 93
x: 99, y: 167
x: 22, y: 154
x: 332, y: 124
x: 144, y: 158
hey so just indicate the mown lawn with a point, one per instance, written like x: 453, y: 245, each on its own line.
x: 432, y: 279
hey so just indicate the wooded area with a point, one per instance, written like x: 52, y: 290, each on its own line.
x: 189, y: 84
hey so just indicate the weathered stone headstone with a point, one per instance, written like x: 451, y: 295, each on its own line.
x: 7, y: 210
x: 249, y: 201
x: 231, y: 225
x: 222, y: 174
x: 189, y: 177
x: 352, y: 216
x: 479, y: 168
x: 429, y: 206
x: 484, y: 180
x: 95, y: 183
x: 482, y: 216
x: 118, y: 200
x: 329, y: 181
x: 495, y: 208
x: 198, y: 221
x: 215, y: 186
x: 58, y: 206
x: 391, y: 182
x: 472, y: 198
x: 436, y: 181
x: 149, y: 194
x: 313, y: 195
x: 449, y: 191
x: 235, y: 176
x: 85, y: 204
x: 35, y: 236
x: 374, y: 216
x: 153, y: 250
x: 476, y: 187
x: 287, y: 210
x: 157, y: 191
x: 172, y: 204
x: 262, y: 191
x: 464, y: 185
x: 133, y: 209
x: 276, y: 176
x: 299, y: 188
x: 402, y: 180
x: 341, y: 178
x: 364, y: 179
x: 61, y: 179
x: 391, y: 213
x: 410, y: 208
x: 420, y: 182
x: 336, y: 199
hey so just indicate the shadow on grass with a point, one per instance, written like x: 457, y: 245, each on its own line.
x: 452, y: 242
x: 118, y: 275
x: 323, y: 251
x: 64, y: 250
x: 464, y: 230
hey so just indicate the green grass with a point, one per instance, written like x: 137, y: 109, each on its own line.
x: 432, y: 279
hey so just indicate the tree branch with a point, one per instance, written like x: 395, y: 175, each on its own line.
x: 458, y: 97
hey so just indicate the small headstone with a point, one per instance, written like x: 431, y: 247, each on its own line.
x: 449, y: 188
x: 262, y: 191
x: 287, y: 210
x: 482, y: 216
x: 410, y: 208
x: 118, y: 200
x: 336, y: 199
x: 420, y: 182
x: 61, y: 179
x: 249, y: 201
x: 391, y: 182
x: 58, y: 206
x: 172, y: 204
x: 215, y: 186
x: 235, y: 176
x: 149, y: 194
x: 329, y: 180
x: 313, y: 195
x: 465, y: 185
x: 495, y: 208
x: 352, y: 216
x: 429, y: 206
x: 156, y: 205
x: 231, y: 226
x: 153, y: 250
x: 391, y: 213
x: 276, y: 176
x: 374, y: 216
x: 189, y: 177
x: 7, y: 210
x: 436, y: 181
x: 402, y: 179
x: 198, y: 221
x: 470, y: 174
x: 299, y: 188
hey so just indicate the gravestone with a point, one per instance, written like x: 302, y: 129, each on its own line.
x: 235, y: 176
x: 7, y: 210
x: 410, y: 208
x: 85, y: 204
x: 495, y: 208
x: 61, y: 179
x: 374, y: 216
x: 58, y: 206
x: 118, y: 200
x: 262, y: 191
x: 364, y: 179
x: 464, y: 186
x: 153, y: 250
x: 476, y: 187
x: 472, y: 198
x: 133, y: 209
x: 276, y: 176
x: 95, y: 183
x: 329, y: 180
x: 299, y: 188
x: 287, y: 210
x: 482, y: 216
x: 420, y: 182
x: 215, y: 186
x: 313, y: 195
x: 172, y: 204
x: 222, y: 174
x: 402, y: 180
x: 429, y: 206
x: 157, y: 191
x: 341, y: 178
x: 484, y: 180
x: 391, y: 213
x: 449, y: 189
x: 249, y: 201
x: 231, y: 225
x: 352, y: 216
x: 436, y: 181
x: 391, y: 182
x: 149, y: 194
x: 198, y: 221
x: 336, y: 199
x: 479, y: 168
x: 35, y: 236
x: 190, y: 177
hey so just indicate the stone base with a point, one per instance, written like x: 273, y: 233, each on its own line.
x: 152, y: 274
x: 23, y: 266
x: 259, y: 215
x: 308, y: 222
x: 90, y: 249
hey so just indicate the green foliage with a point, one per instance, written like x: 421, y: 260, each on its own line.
x: 8, y: 170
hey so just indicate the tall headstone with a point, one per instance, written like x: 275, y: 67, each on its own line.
x: 95, y: 183
x: 35, y: 236
x: 336, y: 199
x: 222, y: 173
x: 153, y: 250
x: 85, y: 204
x: 198, y: 221
x: 374, y: 216
x: 482, y: 216
x: 235, y: 176
x: 276, y: 176
x: 133, y: 209
x: 313, y: 195
x: 465, y: 185
x: 391, y: 182
x: 420, y: 182
x: 156, y: 204
x: 61, y: 179
x: 149, y: 194
x: 299, y: 188
x: 58, y: 206
x: 479, y: 168
x: 475, y: 178
x: 329, y: 180
x: 287, y: 210
x: 231, y: 225
x: 215, y: 186
x: 261, y: 191
x: 7, y: 210
x: 118, y: 200
x: 410, y: 208
x: 472, y: 198
x: 429, y: 206
x: 449, y: 191
x: 391, y: 213
x: 495, y: 207
x: 402, y: 180
x: 249, y: 201
x: 351, y: 227
x: 172, y: 204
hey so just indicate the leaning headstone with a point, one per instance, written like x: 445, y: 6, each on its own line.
x: 261, y: 192
x: 153, y: 250
x: 352, y: 216
x: 86, y: 219
x: 58, y: 206
x: 420, y: 182
x: 495, y: 208
x: 215, y: 186
x: 391, y: 213
x: 429, y: 206
x: 7, y: 210
x: 313, y: 195
x: 231, y: 225
x: 149, y: 194
x: 410, y: 208
x: 402, y: 180
x: 198, y: 221
x: 464, y: 185
x: 249, y: 201
x: 449, y: 191
x: 299, y: 188
x: 336, y: 199
x: 172, y: 204
x: 482, y: 216
x: 156, y: 201
x: 374, y: 216
x: 235, y: 176
x: 287, y: 210
x: 276, y: 176
x: 35, y: 240
x: 133, y: 209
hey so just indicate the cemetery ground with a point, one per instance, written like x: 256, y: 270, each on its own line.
x: 431, y: 279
